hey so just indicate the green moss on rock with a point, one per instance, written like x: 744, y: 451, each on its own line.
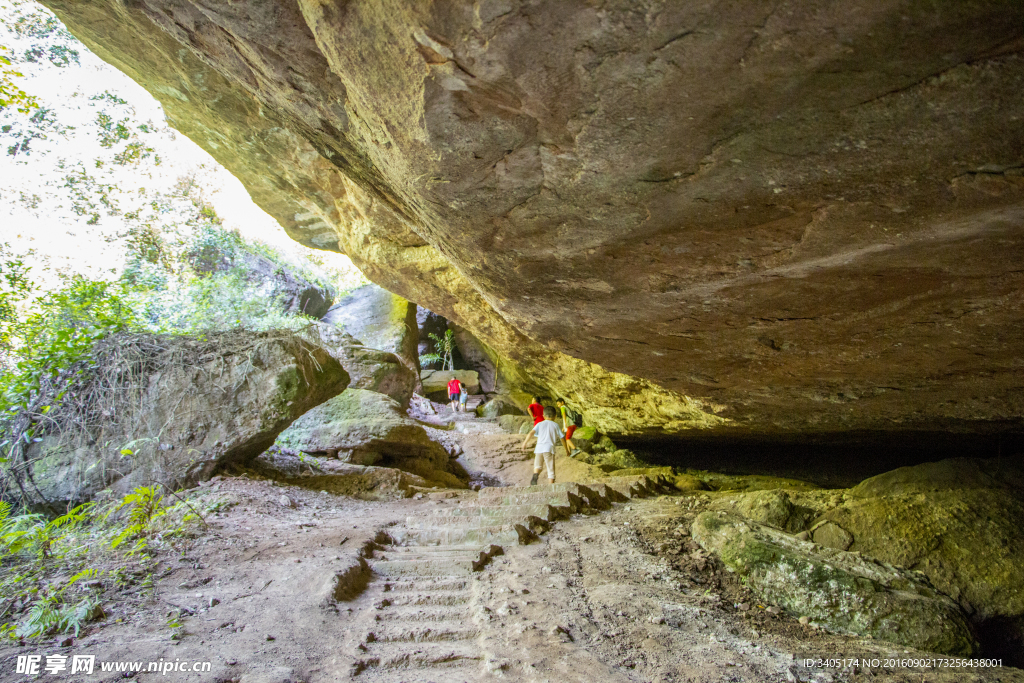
x: 839, y: 590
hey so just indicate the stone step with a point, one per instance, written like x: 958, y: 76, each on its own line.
x: 427, y: 567
x: 558, y: 499
x: 421, y: 613
x: 488, y: 514
x: 385, y: 656
x: 509, y: 534
x: 479, y: 555
x: 608, y: 493
x: 421, y: 634
x: 590, y: 494
x: 632, y: 486
x: 441, y: 549
x: 477, y: 426
x: 426, y: 585
x: 429, y: 599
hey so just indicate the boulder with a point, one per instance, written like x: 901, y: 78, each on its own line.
x: 435, y: 383
x: 204, y: 403
x: 772, y: 507
x: 498, y: 406
x: 840, y: 591
x: 832, y: 536
x: 515, y: 424
x: 688, y: 482
x: 335, y: 476
x: 366, y: 428
x: 946, y: 475
x: 380, y: 320
x: 371, y: 369
x: 961, y: 523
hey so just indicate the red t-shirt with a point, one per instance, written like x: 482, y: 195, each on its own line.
x: 537, y: 410
x: 453, y: 387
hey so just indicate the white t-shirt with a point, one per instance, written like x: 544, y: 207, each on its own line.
x: 548, y: 434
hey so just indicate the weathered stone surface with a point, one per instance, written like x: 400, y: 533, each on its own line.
x: 961, y: 523
x: 206, y: 403
x: 480, y: 358
x: 688, y: 482
x: 946, y: 475
x: 335, y: 476
x: 380, y: 320
x: 515, y: 424
x: 826, y: 238
x: 838, y: 590
x: 832, y: 536
x: 367, y: 428
x: 379, y: 371
x: 770, y: 506
x: 620, y: 459
x: 497, y: 406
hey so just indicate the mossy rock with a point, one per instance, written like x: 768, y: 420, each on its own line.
x: 688, y: 482
x: 840, y: 591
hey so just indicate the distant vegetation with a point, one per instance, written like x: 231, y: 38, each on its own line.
x: 178, y: 271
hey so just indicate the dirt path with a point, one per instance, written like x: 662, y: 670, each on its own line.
x: 614, y: 595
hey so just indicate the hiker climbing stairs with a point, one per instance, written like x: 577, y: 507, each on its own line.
x: 420, y: 628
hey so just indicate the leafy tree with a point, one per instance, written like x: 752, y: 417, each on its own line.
x: 15, y: 288
x: 12, y: 96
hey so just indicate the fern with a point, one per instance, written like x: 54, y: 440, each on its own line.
x: 145, y: 506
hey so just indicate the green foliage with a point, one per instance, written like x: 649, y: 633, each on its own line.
x: 38, y: 126
x: 144, y: 506
x: 444, y: 346
x: 91, y: 542
x: 12, y: 96
x: 15, y: 288
x: 51, y: 41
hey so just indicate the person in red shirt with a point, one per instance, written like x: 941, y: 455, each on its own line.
x: 536, y: 410
x: 454, y: 389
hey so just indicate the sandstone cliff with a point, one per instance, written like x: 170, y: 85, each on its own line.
x: 806, y: 217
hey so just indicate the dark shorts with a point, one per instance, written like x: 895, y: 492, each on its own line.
x: 453, y: 397
x: 569, y: 432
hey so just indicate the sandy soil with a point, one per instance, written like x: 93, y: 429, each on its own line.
x: 623, y: 595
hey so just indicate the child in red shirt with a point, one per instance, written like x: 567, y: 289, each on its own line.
x: 536, y: 410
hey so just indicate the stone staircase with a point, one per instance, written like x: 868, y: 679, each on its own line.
x: 421, y: 627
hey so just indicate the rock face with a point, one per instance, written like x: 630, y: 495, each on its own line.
x: 206, y: 403
x: 329, y: 474
x: 841, y: 591
x: 961, y: 523
x: 366, y: 428
x: 794, y: 217
x: 380, y: 320
x: 370, y: 369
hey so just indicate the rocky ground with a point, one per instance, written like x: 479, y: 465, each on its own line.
x: 623, y: 594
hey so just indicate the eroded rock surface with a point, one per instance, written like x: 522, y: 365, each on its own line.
x: 203, y: 404
x: 839, y: 590
x: 366, y: 428
x: 380, y: 320
x: 370, y: 369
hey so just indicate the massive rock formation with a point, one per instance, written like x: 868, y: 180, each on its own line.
x: 170, y: 410
x: 805, y: 216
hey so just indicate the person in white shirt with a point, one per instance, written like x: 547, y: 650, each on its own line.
x: 548, y: 433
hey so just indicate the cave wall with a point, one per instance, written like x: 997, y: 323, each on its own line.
x: 758, y: 217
